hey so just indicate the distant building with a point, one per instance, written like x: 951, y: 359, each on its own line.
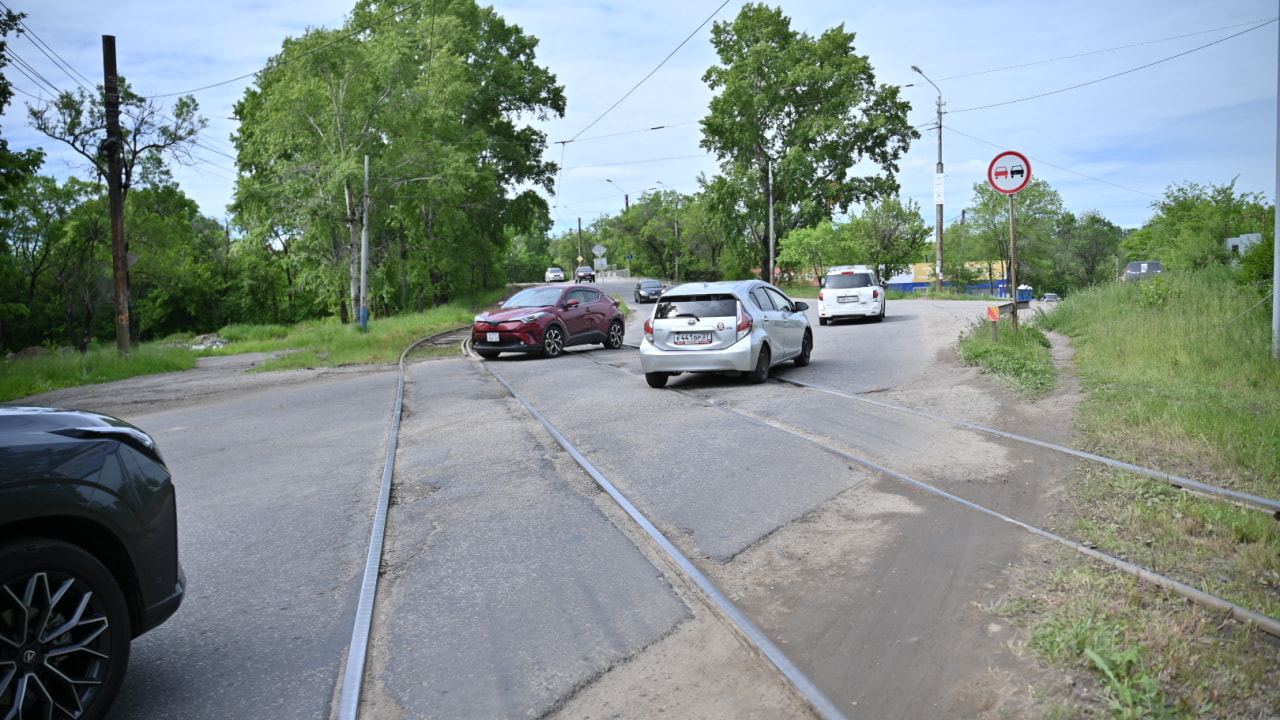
x: 989, y: 279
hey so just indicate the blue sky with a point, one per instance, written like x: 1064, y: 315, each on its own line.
x: 1166, y: 93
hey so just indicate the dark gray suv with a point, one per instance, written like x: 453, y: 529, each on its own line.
x: 88, y: 557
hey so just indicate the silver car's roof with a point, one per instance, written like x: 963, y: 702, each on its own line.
x: 721, y: 287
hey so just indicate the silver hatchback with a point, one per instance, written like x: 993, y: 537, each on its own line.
x: 739, y: 327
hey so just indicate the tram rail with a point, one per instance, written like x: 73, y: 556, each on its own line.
x: 352, y: 680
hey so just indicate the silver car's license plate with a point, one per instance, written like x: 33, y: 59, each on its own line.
x: 692, y: 338
x: 847, y: 298
x: 491, y: 337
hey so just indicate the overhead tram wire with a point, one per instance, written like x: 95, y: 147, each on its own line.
x: 1119, y: 74
x: 1100, y: 52
x: 58, y: 61
x: 1042, y: 161
x: 344, y: 38
x: 644, y: 79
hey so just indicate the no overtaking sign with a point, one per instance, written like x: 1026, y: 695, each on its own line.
x: 1009, y: 172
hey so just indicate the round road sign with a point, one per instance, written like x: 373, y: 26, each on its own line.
x: 1009, y: 172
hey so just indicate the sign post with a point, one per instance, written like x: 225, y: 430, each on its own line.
x: 1009, y: 173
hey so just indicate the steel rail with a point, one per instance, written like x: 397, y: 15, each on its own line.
x: 806, y: 687
x: 358, y: 649
x: 1267, y: 624
x: 1239, y: 498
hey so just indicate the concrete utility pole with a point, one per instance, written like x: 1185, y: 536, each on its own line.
x: 113, y: 148
x: 937, y: 186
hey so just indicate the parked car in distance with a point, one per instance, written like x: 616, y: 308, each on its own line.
x: 1141, y: 270
x: 88, y: 557
x: 850, y: 291
x: 738, y: 327
x: 554, y: 274
x: 1050, y: 298
x: 648, y: 291
x: 584, y: 274
x: 547, y: 319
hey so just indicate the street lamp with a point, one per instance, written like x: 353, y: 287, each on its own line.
x: 937, y: 182
x: 626, y: 199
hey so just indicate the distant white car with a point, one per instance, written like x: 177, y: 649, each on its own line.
x: 851, y: 291
x: 554, y: 274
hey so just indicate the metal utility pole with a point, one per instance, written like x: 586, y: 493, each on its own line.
x: 768, y: 276
x: 364, y: 253
x: 113, y: 148
x: 937, y: 186
x: 626, y: 199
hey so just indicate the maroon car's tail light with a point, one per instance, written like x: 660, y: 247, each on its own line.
x: 744, y: 322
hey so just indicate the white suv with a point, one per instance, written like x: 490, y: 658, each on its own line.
x: 851, y: 291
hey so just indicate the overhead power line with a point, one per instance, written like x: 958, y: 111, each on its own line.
x: 1116, y: 75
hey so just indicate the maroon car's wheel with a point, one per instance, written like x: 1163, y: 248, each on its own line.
x: 553, y: 341
x: 616, y: 333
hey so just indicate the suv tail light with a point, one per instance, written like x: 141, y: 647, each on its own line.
x: 744, y: 322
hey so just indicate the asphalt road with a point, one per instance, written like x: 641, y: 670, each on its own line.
x: 511, y: 585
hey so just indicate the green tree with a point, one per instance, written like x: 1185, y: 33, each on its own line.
x: 1191, y: 224
x: 15, y: 168
x: 812, y: 250
x: 802, y: 112
x: 1089, y: 246
x: 1037, y: 210
x: 433, y: 95
x: 889, y: 235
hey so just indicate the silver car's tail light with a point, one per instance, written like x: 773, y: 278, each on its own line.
x: 744, y: 322
x: 648, y: 328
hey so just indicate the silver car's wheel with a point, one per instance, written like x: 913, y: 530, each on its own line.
x: 553, y: 342
x: 806, y: 349
x: 656, y: 380
x: 64, y: 632
x: 761, y: 373
x: 616, y: 333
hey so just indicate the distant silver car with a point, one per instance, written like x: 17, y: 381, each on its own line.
x: 554, y: 274
x: 742, y: 328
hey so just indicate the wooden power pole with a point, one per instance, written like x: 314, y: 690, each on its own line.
x: 113, y: 148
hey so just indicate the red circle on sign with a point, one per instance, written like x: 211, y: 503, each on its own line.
x: 1009, y: 172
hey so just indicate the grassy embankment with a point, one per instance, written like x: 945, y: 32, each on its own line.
x: 322, y: 343
x: 1178, y: 377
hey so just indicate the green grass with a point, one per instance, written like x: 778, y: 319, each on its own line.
x: 32, y: 376
x: 1178, y: 376
x: 321, y: 343
x: 1019, y: 359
